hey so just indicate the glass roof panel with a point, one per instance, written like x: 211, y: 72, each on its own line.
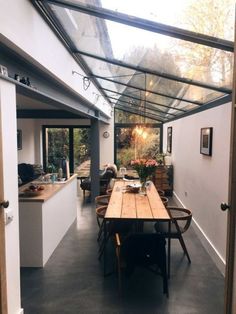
x: 148, y: 73
x: 141, y: 48
x: 154, y: 83
x: 126, y: 117
x: 212, y: 17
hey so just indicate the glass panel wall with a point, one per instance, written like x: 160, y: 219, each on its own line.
x: 134, y: 142
x: 56, y: 149
x: 81, y: 147
x: 63, y: 144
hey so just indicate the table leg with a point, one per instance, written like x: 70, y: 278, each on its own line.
x: 169, y: 249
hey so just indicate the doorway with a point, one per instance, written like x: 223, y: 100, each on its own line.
x: 61, y: 143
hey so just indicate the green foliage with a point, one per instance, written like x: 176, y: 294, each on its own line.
x: 131, y: 146
x: 58, y: 147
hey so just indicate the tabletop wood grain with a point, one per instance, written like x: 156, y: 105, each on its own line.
x: 126, y: 205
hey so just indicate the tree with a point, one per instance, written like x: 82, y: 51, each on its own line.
x: 214, y: 18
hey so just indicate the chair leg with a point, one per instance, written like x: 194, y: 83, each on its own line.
x: 119, y: 270
x: 181, y: 240
x: 168, y: 257
x: 100, y: 231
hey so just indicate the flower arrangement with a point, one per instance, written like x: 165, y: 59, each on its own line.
x: 144, y: 167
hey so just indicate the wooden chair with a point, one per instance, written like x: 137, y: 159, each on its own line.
x: 179, y: 224
x: 108, y: 191
x: 141, y: 249
x: 104, y: 178
x: 161, y: 192
x: 101, y: 203
x: 102, y: 200
x: 165, y: 200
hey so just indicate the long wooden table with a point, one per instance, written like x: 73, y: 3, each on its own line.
x: 124, y: 205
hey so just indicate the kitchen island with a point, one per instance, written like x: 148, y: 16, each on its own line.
x: 45, y: 219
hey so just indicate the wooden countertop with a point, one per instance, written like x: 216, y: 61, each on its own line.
x: 50, y: 189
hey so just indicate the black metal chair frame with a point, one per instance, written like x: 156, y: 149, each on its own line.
x: 145, y: 250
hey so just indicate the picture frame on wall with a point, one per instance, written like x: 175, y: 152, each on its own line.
x: 19, y: 139
x: 169, y: 139
x: 206, y: 141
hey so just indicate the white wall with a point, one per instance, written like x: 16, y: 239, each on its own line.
x: 9, y: 152
x: 107, y: 144
x: 201, y: 182
x: 27, y: 153
x: 32, y: 138
x: 23, y: 27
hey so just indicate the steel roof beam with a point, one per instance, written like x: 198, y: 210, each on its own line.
x: 156, y: 73
x: 141, y: 99
x: 198, y: 103
x: 145, y: 115
x: 137, y: 106
x: 148, y: 107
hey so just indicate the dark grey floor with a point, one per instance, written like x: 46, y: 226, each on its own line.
x: 72, y: 281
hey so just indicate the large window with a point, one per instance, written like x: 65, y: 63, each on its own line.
x: 65, y: 143
x: 136, y: 142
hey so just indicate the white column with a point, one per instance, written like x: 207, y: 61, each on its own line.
x: 10, y: 190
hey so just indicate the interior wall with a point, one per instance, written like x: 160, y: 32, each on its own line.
x: 10, y: 188
x: 200, y: 181
x: 21, y: 26
x: 107, y: 144
x: 27, y: 153
x: 32, y: 138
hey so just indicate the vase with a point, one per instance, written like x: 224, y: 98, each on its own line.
x: 143, y: 188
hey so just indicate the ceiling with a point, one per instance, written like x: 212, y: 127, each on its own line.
x: 160, y: 63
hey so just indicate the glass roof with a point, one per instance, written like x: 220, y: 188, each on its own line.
x: 145, y: 69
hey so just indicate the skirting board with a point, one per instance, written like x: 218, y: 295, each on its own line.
x: 209, y: 247
x: 21, y: 311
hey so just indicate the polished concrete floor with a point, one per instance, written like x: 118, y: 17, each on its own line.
x: 72, y: 281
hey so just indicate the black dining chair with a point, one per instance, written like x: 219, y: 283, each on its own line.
x: 180, y: 220
x: 141, y: 250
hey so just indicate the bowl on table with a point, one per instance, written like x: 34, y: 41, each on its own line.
x: 34, y: 190
x: 133, y: 188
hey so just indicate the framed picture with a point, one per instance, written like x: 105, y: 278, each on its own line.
x: 19, y: 139
x: 169, y: 139
x: 3, y: 70
x: 206, y: 141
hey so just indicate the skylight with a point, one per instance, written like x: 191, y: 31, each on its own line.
x: 138, y: 61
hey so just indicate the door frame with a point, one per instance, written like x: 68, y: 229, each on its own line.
x: 230, y: 284
x: 3, y: 280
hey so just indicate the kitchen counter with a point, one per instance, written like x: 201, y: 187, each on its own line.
x: 50, y: 189
x: 45, y: 219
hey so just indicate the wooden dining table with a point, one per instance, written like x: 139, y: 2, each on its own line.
x: 125, y: 205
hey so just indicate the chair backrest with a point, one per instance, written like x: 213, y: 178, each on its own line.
x: 161, y: 192
x: 101, y: 211
x: 108, y: 191
x: 181, y: 217
x: 143, y: 249
x: 165, y: 200
x: 102, y: 200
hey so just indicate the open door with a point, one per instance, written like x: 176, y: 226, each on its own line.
x: 230, y: 275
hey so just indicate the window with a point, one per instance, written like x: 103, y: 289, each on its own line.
x: 61, y: 143
x: 136, y: 142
